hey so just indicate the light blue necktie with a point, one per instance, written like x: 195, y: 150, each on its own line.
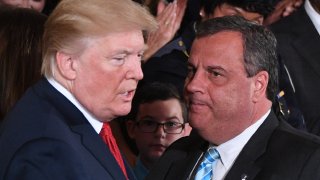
x: 205, y: 171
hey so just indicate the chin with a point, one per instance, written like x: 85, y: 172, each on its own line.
x: 156, y: 155
x: 124, y: 110
x: 195, y: 123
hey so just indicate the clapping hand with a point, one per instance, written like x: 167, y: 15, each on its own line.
x: 169, y: 17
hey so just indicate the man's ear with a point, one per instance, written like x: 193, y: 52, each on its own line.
x: 130, y: 124
x: 260, y: 85
x: 66, y: 65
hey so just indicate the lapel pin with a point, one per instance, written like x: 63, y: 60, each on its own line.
x: 244, y: 177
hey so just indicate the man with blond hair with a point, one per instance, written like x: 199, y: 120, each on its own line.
x: 92, y: 57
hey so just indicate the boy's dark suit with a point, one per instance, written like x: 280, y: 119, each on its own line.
x: 51, y: 139
x: 275, y: 152
x: 299, y: 49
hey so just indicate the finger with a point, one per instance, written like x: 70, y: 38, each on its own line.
x: 181, y: 7
x: 165, y: 13
x: 170, y: 18
x: 298, y: 3
x: 282, y: 4
x: 288, y: 10
x: 161, y: 6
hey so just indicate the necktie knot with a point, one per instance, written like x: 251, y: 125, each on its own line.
x: 205, y: 171
x: 211, y: 155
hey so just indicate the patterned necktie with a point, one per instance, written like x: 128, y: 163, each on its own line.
x: 205, y: 171
x: 108, y: 138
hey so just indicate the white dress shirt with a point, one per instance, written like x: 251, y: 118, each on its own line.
x: 313, y: 15
x: 96, y: 124
x: 230, y: 150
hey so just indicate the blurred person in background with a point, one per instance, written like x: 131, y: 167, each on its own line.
x: 43, y: 6
x: 37, y: 5
x: 21, y: 33
x: 298, y: 37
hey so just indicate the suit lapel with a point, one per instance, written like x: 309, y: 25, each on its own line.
x: 130, y: 172
x: 248, y: 163
x: 184, y: 167
x: 93, y: 143
x: 308, y: 43
x: 79, y: 125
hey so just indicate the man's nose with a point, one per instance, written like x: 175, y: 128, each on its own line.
x: 135, y: 70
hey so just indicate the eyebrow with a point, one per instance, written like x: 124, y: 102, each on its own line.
x: 213, y: 67
x: 127, y: 52
x: 168, y: 118
x: 210, y: 67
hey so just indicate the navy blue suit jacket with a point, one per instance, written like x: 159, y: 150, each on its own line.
x: 46, y: 137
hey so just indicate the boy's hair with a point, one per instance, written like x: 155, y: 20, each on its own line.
x: 155, y: 91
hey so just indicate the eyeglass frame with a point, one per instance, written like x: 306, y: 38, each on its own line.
x: 181, y: 125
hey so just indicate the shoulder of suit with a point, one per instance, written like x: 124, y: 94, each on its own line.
x: 296, y: 138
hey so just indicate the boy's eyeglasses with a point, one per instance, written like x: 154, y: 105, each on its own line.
x: 148, y: 126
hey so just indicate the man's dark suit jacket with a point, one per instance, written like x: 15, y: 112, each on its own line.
x: 276, y: 151
x: 46, y: 137
x: 299, y: 49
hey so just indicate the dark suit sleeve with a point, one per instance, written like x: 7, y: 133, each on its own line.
x: 311, y: 168
x: 45, y: 159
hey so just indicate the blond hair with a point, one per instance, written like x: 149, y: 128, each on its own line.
x: 73, y: 21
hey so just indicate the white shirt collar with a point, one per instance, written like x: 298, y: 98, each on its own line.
x: 96, y: 124
x: 313, y: 15
x: 230, y: 150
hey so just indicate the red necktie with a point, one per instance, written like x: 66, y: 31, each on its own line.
x: 108, y: 138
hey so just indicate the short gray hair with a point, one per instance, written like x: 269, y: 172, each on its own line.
x: 259, y: 46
